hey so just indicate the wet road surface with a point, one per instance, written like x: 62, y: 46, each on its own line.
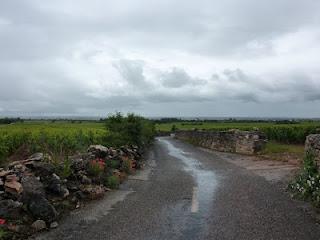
x: 188, y: 193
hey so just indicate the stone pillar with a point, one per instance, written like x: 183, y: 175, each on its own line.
x: 313, y: 145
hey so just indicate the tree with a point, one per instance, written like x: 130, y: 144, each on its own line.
x: 128, y: 130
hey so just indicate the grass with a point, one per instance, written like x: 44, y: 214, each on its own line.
x: 275, y: 148
x: 276, y: 151
x: 230, y: 125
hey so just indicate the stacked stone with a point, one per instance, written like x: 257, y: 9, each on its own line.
x: 33, y: 196
x: 313, y: 145
x: 236, y: 141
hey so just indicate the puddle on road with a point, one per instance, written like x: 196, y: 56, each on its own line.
x: 206, y: 181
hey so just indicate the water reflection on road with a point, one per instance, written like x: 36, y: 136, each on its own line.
x: 205, y: 180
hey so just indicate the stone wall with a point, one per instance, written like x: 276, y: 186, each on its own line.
x: 313, y: 144
x: 245, y: 142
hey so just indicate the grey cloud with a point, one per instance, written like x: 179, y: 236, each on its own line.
x: 175, y: 78
x: 66, y: 57
x: 131, y: 71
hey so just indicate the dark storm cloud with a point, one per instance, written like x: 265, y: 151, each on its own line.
x: 91, y: 57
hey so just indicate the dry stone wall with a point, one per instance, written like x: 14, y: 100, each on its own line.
x: 244, y: 142
x: 313, y: 145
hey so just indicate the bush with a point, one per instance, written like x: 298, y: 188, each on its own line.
x: 306, y: 186
x: 112, y: 182
x: 128, y: 130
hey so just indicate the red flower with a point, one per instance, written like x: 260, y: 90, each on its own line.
x: 2, y: 221
x: 99, y: 162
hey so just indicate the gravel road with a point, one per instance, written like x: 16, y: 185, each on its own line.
x: 187, y: 193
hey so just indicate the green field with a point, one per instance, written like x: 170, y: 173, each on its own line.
x: 58, y: 138
x: 284, y: 133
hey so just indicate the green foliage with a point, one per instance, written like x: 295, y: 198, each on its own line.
x: 65, y: 171
x: 273, y: 147
x: 112, y: 182
x: 128, y: 130
x: 280, y: 131
x: 174, y: 128
x: 114, y: 164
x: 58, y: 138
x: 3, y: 234
x: 306, y: 186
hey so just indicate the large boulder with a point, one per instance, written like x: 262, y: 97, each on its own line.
x: 31, y: 185
x: 34, y: 198
x: 98, y: 150
x: 40, y: 208
x: 42, y: 169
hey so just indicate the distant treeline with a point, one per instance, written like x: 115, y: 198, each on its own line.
x: 10, y: 120
x: 229, y: 120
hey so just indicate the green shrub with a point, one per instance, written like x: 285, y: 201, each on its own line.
x: 128, y: 130
x: 306, y: 186
x: 112, y: 182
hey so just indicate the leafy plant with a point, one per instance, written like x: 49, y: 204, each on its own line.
x: 66, y: 170
x: 128, y: 130
x: 112, y: 182
x: 306, y: 186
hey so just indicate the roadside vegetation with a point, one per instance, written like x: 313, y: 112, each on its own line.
x: 283, y: 152
x: 128, y: 130
x: 306, y: 185
x: 55, y: 138
x: 59, y: 139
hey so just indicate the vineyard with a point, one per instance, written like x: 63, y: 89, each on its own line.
x: 56, y: 138
x: 294, y: 133
x: 62, y: 138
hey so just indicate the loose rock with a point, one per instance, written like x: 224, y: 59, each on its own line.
x: 39, y: 225
x: 54, y: 225
x: 40, y: 207
x: 98, y: 150
x: 36, y: 157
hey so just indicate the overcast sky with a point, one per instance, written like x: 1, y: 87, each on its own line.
x: 160, y: 58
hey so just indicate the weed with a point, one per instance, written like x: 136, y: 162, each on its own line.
x: 112, y: 182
